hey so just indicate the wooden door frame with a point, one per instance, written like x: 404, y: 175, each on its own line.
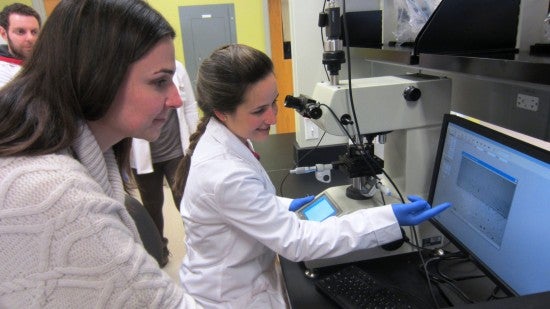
x: 283, y: 68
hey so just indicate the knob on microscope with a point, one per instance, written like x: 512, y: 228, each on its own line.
x: 411, y: 93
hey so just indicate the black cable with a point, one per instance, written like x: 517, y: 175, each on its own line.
x: 350, y: 138
x: 415, y: 245
x: 455, y: 279
x: 364, y: 153
x: 349, y: 71
x: 346, y: 36
x: 442, y: 280
x: 394, y: 185
x: 298, y: 163
x: 453, y: 287
x: 419, y: 249
x: 425, y: 265
x: 323, y: 39
x: 281, y: 184
x: 356, y: 122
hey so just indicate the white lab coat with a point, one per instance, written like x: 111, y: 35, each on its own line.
x: 188, y: 116
x: 235, y: 223
x: 8, y: 70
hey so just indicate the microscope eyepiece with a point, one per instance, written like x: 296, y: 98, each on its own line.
x: 305, y: 106
x: 293, y: 102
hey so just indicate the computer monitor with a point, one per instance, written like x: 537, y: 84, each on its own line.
x: 499, y: 189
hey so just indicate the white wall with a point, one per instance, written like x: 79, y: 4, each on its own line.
x: 485, y: 98
x: 307, y: 52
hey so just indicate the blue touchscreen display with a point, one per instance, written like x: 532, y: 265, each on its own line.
x: 319, y: 210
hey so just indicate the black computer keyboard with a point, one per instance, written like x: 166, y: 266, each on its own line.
x: 352, y: 287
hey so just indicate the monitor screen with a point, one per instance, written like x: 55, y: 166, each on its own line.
x: 319, y: 209
x: 499, y: 187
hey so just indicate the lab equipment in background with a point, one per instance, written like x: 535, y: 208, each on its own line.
x: 405, y: 113
x: 322, y: 171
x: 542, y: 48
x: 498, y: 186
x: 546, y: 29
x: 333, y: 55
x: 412, y: 15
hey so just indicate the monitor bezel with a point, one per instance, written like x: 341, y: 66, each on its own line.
x: 500, y: 137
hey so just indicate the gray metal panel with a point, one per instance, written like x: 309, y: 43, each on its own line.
x: 203, y: 28
x: 490, y: 100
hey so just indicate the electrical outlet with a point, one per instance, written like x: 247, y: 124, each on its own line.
x: 311, y: 129
x: 527, y: 102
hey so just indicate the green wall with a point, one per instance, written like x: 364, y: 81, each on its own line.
x: 249, y: 20
x: 3, y: 3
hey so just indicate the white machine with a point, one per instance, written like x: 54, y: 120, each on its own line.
x: 404, y: 113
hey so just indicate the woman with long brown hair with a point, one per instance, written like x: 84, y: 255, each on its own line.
x: 100, y: 73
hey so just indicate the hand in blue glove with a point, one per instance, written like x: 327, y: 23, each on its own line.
x: 417, y: 211
x: 299, y: 202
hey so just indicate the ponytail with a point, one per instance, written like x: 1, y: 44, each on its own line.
x: 182, y: 171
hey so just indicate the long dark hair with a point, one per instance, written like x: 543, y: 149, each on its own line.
x: 222, y: 81
x: 78, y: 63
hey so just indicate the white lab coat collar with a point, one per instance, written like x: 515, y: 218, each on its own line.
x: 230, y: 141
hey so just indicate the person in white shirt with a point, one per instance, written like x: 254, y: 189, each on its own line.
x: 154, y: 161
x: 235, y: 224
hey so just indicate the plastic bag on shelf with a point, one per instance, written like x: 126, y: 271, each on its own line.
x: 546, y: 29
x: 411, y: 17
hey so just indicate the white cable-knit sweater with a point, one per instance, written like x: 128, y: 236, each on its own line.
x: 66, y: 239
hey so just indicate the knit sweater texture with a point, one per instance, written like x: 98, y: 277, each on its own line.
x: 67, y: 240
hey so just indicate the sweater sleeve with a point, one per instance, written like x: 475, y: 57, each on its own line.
x: 65, y: 243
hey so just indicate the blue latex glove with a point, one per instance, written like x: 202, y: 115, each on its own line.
x: 417, y: 211
x: 299, y: 202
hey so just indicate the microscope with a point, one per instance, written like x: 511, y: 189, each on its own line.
x: 402, y: 114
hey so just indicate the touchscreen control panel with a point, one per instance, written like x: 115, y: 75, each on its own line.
x: 319, y: 209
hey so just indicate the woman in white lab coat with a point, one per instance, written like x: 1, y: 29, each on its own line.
x: 234, y: 222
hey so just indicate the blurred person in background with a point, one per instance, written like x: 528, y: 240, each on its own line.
x: 19, y: 27
x: 152, y: 162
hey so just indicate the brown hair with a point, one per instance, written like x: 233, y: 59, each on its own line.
x: 17, y: 8
x: 78, y: 64
x: 222, y: 81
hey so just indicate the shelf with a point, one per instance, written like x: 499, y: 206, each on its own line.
x: 398, y: 55
x: 470, y: 37
x: 521, y: 67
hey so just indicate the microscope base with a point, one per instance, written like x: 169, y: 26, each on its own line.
x: 428, y: 235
